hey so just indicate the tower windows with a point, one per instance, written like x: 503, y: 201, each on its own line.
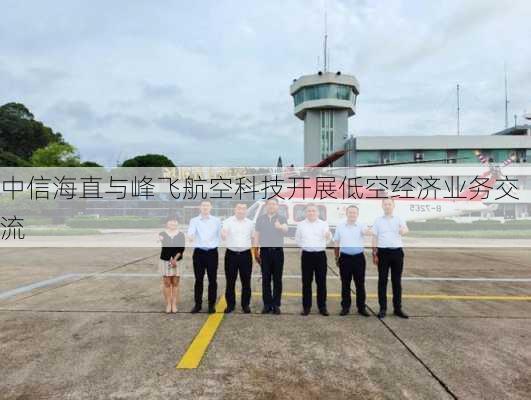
x: 327, y: 133
x: 324, y: 91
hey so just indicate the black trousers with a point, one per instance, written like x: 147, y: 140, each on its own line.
x: 205, y: 261
x: 352, y: 267
x: 272, y: 268
x: 313, y: 262
x: 390, y: 259
x: 242, y: 262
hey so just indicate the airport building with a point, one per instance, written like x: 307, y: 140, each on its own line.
x: 513, y: 142
x: 325, y: 101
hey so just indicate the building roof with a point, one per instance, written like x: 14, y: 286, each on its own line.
x: 325, y: 77
x: 442, y: 142
x: 517, y: 130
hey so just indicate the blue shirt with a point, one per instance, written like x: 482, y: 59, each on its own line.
x: 387, y: 231
x: 350, y: 237
x: 205, y: 231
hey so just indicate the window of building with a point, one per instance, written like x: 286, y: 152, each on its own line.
x: 418, y: 155
x: 323, y: 91
x: 343, y: 92
x: 385, y: 156
x: 327, y: 133
x: 451, y: 156
x: 487, y: 154
x: 520, y: 156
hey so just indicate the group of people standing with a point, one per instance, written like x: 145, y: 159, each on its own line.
x: 264, y: 241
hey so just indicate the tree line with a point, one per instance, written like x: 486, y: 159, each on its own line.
x: 27, y: 142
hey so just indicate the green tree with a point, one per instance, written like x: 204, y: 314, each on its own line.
x: 56, y: 155
x: 10, y: 160
x: 149, y: 160
x: 21, y: 134
x: 90, y: 164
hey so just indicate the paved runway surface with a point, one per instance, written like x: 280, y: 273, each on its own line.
x: 88, y: 323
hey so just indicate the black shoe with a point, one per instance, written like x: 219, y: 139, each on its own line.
x: 211, y: 309
x: 401, y: 314
x: 266, y: 310
x: 324, y: 312
x: 228, y: 310
x: 363, y: 311
x: 381, y: 314
x: 196, y: 309
x: 246, y: 309
x: 276, y: 310
x: 305, y: 311
x: 344, y: 312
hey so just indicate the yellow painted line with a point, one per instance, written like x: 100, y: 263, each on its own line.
x: 465, y: 297
x: 428, y: 296
x: 193, y: 356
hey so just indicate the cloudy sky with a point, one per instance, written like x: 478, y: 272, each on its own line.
x: 208, y: 82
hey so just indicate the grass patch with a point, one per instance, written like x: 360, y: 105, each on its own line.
x: 59, y: 232
x: 452, y: 226
x: 493, y: 234
x: 125, y: 222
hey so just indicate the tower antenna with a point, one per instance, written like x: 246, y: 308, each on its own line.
x: 325, y: 44
x: 458, y: 112
x: 506, y: 98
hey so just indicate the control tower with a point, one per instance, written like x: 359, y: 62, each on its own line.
x: 324, y: 102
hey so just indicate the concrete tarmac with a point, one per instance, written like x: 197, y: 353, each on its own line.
x: 69, y: 334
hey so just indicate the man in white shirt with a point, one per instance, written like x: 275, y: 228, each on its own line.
x: 387, y: 253
x: 204, y: 232
x: 237, y: 232
x: 349, y: 238
x: 311, y: 236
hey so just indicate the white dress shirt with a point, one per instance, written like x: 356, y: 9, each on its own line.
x: 239, y: 233
x: 311, y: 236
x: 387, y: 231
